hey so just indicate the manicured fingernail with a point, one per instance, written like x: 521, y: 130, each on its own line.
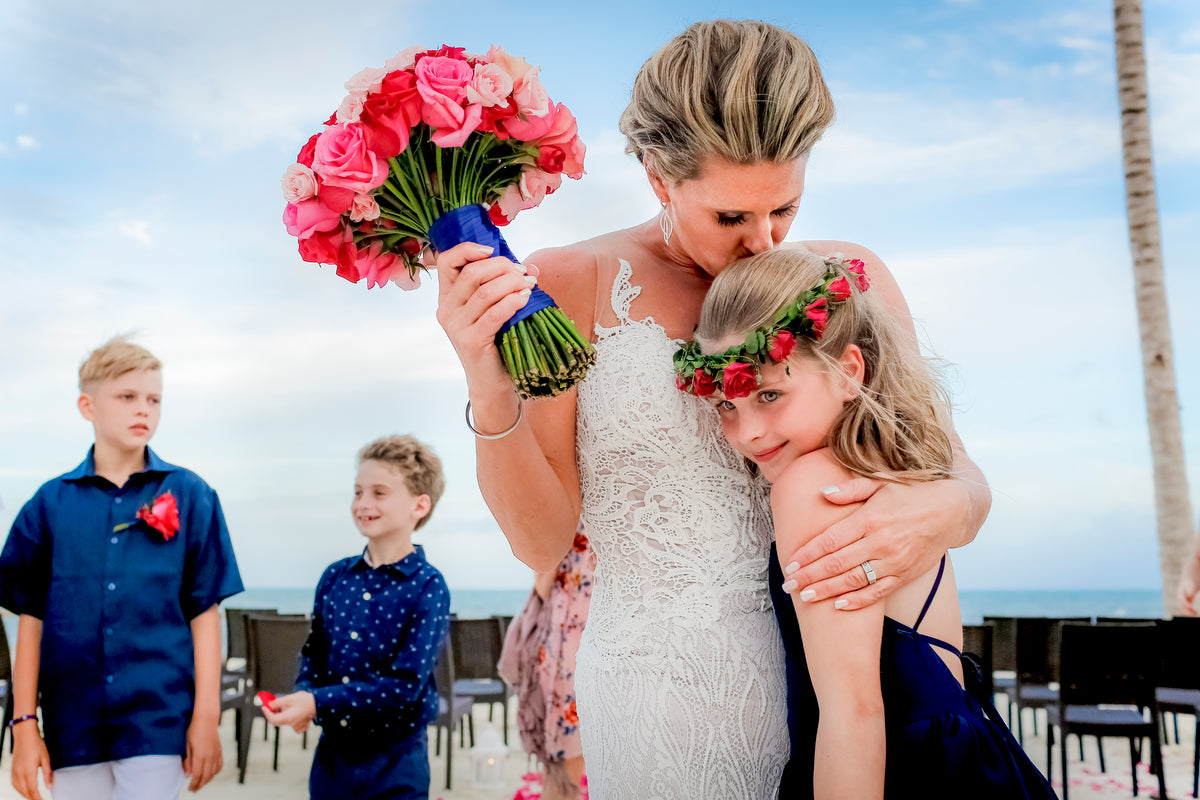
x: 790, y: 587
x: 808, y: 594
x: 530, y: 279
x: 830, y: 489
x: 519, y: 268
x: 483, y: 248
x: 532, y: 269
x: 839, y: 604
x: 790, y: 568
x: 525, y: 292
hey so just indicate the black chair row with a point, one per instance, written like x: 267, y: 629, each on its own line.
x: 1034, y: 651
x: 262, y: 654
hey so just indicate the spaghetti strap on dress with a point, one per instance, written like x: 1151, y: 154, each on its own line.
x: 942, y: 741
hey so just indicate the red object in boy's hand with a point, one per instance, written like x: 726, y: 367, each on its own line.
x: 266, y: 698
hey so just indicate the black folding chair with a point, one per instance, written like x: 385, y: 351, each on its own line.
x: 978, y: 642
x: 1107, y: 677
x: 1004, y: 659
x: 1037, y: 666
x: 476, y: 646
x: 1178, y: 689
x: 451, y: 707
x: 274, y: 642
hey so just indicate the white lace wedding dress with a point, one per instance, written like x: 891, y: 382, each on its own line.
x: 680, y: 679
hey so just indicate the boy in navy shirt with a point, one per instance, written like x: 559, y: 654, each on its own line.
x: 116, y: 569
x: 366, y: 675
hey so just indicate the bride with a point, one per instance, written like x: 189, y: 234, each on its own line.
x: 680, y: 676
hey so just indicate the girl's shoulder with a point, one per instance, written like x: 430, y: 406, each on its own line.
x: 799, y: 508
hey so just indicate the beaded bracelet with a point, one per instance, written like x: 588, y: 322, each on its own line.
x: 502, y: 434
x: 23, y: 718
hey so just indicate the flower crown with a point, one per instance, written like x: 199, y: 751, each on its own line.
x: 736, y: 371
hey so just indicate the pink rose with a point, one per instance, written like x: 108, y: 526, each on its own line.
x: 364, y: 208
x: 404, y: 59
x: 442, y: 83
x: 376, y: 265
x: 351, y: 107
x: 536, y: 184
x: 560, y: 145
x: 299, y: 183
x: 515, y: 66
x: 526, y: 126
x: 455, y: 135
x: 342, y: 158
x: 818, y: 313
x: 490, y: 86
x: 781, y: 346
x: 703, y: 384
x: 739, y: 380
x: 839, y: 289
x: 366, y: 80
x: 510, y: 203
x: 531, y: 97
x: 306, y: 218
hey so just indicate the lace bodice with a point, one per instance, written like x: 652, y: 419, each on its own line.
x: 680, y: 619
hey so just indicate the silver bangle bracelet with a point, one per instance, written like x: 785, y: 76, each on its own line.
x: 502, y: 434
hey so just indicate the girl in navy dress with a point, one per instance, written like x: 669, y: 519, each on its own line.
x: 817, y: 380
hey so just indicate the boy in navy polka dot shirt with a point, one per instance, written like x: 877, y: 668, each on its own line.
x: 366, y: 675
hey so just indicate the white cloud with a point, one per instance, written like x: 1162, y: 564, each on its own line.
x: 27, y: 142
x: 21, y: 110
x: 1174, y: 79
x: 136, y: 229
x: 898, y: 138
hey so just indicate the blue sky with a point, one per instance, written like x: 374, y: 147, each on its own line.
x: 977, y: 151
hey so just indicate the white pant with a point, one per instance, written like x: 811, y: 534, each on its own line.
x: 138, y: 778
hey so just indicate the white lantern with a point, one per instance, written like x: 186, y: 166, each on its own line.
x: 489, y: 759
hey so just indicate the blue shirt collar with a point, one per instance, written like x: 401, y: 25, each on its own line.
x: 87, y: 469
x: 405, y: 567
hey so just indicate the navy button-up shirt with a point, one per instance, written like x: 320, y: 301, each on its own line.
x: 117, y: 668
x: 370, y: 657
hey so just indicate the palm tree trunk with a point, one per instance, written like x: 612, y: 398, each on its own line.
x: 1172, y: 504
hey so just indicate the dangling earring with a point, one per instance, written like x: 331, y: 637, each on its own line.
x: 664, y: 222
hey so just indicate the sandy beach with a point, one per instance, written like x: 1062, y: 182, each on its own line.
x: 291, y: 781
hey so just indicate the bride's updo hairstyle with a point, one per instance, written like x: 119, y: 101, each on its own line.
x: 739, y: 89
x: 898, y: 425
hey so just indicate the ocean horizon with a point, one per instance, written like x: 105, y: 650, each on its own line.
x: 975, y: 603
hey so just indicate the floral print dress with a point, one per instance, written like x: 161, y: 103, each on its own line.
x: 538, y: 661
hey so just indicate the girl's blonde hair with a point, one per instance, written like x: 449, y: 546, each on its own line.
x: 739, y: 89
x: 898, y: 425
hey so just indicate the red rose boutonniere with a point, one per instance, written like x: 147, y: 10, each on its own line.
x: 161, y: 514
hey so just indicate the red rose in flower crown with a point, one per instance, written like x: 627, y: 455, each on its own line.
x: 739, y: 380
x: 161, y: 514
x: 436, y: 148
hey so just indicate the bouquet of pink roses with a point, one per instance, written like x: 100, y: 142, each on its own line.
x: 439, y: 147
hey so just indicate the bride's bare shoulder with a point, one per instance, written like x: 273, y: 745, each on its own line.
x: 571, y: 273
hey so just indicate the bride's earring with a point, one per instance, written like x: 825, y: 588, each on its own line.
x: 664, y: 222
